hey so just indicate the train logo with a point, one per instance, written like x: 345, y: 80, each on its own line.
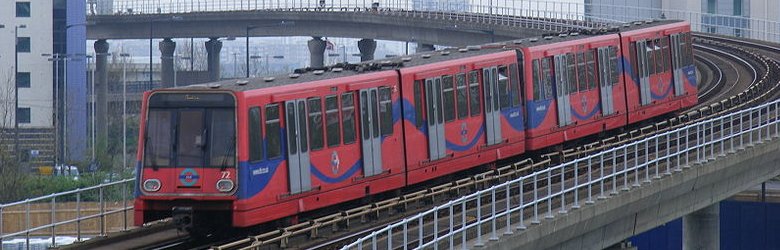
x: 189, y: 177
x: 464, y: 131
x: 334, y: 162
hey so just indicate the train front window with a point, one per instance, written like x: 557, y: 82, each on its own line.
x: 190, y: 130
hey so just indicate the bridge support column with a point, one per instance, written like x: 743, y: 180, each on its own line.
x: 213, y: 47
x: 701, y: 229
x: 101, y: 91
x: 422, y: 47
x: 316, y: 52
x: 367, y: 48
x: 167, y: 46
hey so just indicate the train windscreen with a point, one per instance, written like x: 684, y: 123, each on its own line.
x: 190, y: 130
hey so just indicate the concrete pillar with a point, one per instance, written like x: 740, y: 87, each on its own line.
x: 422, y: 47
x: 101, y: 90
x: 213, y: 47
x: 167, y: 46
x: 316, y: 52
x: 367, y: 48
x: 701, y: 229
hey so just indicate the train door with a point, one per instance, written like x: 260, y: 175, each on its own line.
x: 371, y: 140
x: 299, y: 168
x: 492, y: 105
x: 677, y: 74
x: 562, y: 91
x: 605, y: 82
x: 434, y: 104
x: 643, y: 68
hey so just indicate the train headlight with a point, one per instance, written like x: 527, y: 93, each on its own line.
x: 225, y: 185
x: 152, y: 185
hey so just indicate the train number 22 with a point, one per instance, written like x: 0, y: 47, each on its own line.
x: 225, y: 175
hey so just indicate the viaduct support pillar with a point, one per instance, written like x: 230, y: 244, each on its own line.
x: 316, y: 52
x: 367, y: 48
x: 213, y: 47
x: 701, y: 229
x: 422, y: 47
x: 101, y: 91
x: 167, y: 46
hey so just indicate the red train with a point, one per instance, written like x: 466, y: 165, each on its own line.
x: 257, y: 150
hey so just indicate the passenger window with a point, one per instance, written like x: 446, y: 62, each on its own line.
x: 650, y: 57
x: 591, y: 69
x: 614, y: 63
x: 547, y: 78
x: 386, y: 111
x: 418, y: 106
x: 582, y: 80
x: 634, y: 65
x: 665, y: 52
x: 514, y: 85
x: 255, y: 135
x: 315, y: 123
x: 348, y: 117
x: 462, y: 96
x: 537, y: 82
x: 503, y: 87
x: 572, y: 72
x: 474, y: 93
x: 332, y: 128
x: 448, y: 98
x: 659, y: 57
x: 273, y: 131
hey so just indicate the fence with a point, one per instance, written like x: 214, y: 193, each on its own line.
x: 73, y: 213
x: 552, y: 190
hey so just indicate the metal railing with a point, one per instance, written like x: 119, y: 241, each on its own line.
x: 519, y: 203
x: 119, y: 193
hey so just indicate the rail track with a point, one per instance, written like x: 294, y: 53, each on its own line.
x: 747, y: 80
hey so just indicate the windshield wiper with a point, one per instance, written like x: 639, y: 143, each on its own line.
x: 228, y: 151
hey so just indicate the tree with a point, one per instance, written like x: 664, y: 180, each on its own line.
x: 11, y: 172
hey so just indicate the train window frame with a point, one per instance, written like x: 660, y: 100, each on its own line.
x: 166, y: 130
x: 418, y: 105
x: 221, y: 156
x: 503, y: 86
x: 614, y: 65
x: 582, y: 81
x: 515, y: 82
x: 448, y: 98
x: 571, y: 72
x: 536, y: 74
x: 346, y: 110
x: 314, y: 115
x: 268, y: 122
x: 475, y: 104
x: 547, y: 77
x: 633, y: 61
x: 650, y: 52
x: 592, y: 73
x: 329, y: 113
x: 255, y: 132
x: 461, y: 96
x: 659, y: 56
x: 385, y: 111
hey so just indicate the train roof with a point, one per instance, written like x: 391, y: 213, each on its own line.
x: 422, y: 58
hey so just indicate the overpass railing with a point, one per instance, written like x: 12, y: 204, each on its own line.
x: 523, y: 202
x: 566, y: 14
x: 91, y: 211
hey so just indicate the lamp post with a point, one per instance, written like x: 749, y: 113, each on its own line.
x: 124, y: 108
x: 55, y: 59
x: 16, y: 91
x: 251, y: 27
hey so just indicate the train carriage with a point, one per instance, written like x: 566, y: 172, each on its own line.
x: 466, y: 111
x: 660, y: 75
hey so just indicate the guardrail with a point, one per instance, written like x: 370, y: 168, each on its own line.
x: 118, y: 192
x: 554, y: 190
x: 493, y: 11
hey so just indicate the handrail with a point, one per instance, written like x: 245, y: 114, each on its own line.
x: 632, y: 164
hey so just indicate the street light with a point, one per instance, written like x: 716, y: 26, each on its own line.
x: 124, y: 108
x: 16, y: 90
x: 55, y: 59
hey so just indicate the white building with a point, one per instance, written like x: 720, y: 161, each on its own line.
x: 35, y: 71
